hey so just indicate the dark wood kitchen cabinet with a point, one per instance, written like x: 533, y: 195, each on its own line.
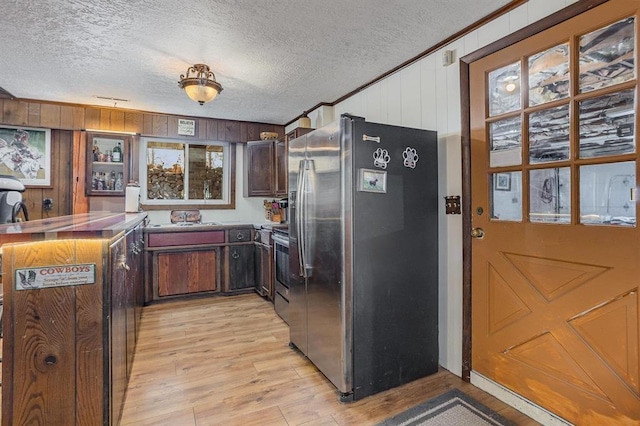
x: 263, y: 270
x: 241, y: 266
x: 135, y: 260
x: 126, y: 310
x: 198, y: 260
x: 281, y: 161
x: 118, y: 318
x: 266, y: 165
x: 82, y: 318
x: 183, y: 262
x: 259, y: 168
x: 187, y: 272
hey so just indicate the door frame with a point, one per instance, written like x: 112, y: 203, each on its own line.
x: 528, y: 31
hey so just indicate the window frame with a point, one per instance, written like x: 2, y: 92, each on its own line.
x: 229, y: 177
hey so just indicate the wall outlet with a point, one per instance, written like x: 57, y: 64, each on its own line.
x: 47, y: 204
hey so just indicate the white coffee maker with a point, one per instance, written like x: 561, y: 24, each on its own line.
x: 11, y: 203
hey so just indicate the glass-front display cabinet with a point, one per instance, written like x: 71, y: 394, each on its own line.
x: 107, y: 163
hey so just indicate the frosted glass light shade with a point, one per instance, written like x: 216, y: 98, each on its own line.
x: 201, y: 94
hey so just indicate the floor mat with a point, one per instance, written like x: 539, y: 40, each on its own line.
x: 451, y: 408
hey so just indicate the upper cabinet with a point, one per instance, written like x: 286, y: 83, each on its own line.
x: 280, y: 180
x: 259, y: 166
x: 107, y: 163
x: 266, y: 168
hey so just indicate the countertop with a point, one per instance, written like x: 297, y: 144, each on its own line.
x: 194, y: 226
x: 107, y: 225
x: 85, y: 225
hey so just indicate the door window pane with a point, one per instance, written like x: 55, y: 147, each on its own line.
x: 550, y: 195
x: 549, y: 75
x: 607, y: 194
x: 504, y: 89
x: 607, y: 56
x: 549, y: 135
x: 607, y: 125
x: 506, y: 199
x: 506, y: 142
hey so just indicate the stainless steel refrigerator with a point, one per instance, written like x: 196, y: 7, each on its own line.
x: 363, y: 237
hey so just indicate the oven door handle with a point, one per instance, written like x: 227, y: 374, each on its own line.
x: 282, y: 241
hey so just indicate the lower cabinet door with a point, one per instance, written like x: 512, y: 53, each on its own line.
x: 265, y: 272
x: 118, y: 330
x: 241, y: 267
x: 257, y: 268
x: 187, y: 272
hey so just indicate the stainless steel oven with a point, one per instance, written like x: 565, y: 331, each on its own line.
x: 281, y: 272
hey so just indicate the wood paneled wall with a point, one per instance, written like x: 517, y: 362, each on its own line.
x: 61, y: 178
x: 64, y: 119
x: 78, y: 117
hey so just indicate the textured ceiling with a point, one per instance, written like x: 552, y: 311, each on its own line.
x: 274, y: 59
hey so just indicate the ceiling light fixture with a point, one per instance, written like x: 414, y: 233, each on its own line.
x: 200, y: 84
x: 304, y: 121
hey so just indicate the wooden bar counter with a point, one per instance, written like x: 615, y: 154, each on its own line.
x: 73, y: 291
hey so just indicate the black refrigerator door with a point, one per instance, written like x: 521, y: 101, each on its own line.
x: 395, y: 256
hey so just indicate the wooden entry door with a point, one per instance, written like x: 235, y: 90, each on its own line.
x: 556, y: 247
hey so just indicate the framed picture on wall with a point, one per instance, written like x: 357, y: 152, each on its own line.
x: 25, y: 153
x: 502, y: 181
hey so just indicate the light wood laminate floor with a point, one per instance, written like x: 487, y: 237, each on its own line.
x: 226, y: 361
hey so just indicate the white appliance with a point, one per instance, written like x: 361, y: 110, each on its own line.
x: 11, y: 190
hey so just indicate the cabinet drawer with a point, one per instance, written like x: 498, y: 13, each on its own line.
x: 239, y: 235
x: 282, y: 307
x: 282, y: 290
x: 185, y: 238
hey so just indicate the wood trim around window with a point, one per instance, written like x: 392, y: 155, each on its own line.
x: 232, y: 192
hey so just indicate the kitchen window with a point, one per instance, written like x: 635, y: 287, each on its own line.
x: 175, y: 172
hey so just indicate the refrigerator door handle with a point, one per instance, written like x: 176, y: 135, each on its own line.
x: 308, y: 216
x: 300, y: 217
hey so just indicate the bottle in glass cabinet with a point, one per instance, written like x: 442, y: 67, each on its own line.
x: 119, y: 182
x: 117, y: 153
x: 107, y: 165
x: 96, y: 151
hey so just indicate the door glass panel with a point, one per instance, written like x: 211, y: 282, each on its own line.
x: 607, y: 194
x: 549, y: 135
x: 607, y: 125
x: 606, y: 56
x: 550, y: 195
x: 504, y: 89
x: 506, y: 199
x: 549, y: 75
x: 506, y: 142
